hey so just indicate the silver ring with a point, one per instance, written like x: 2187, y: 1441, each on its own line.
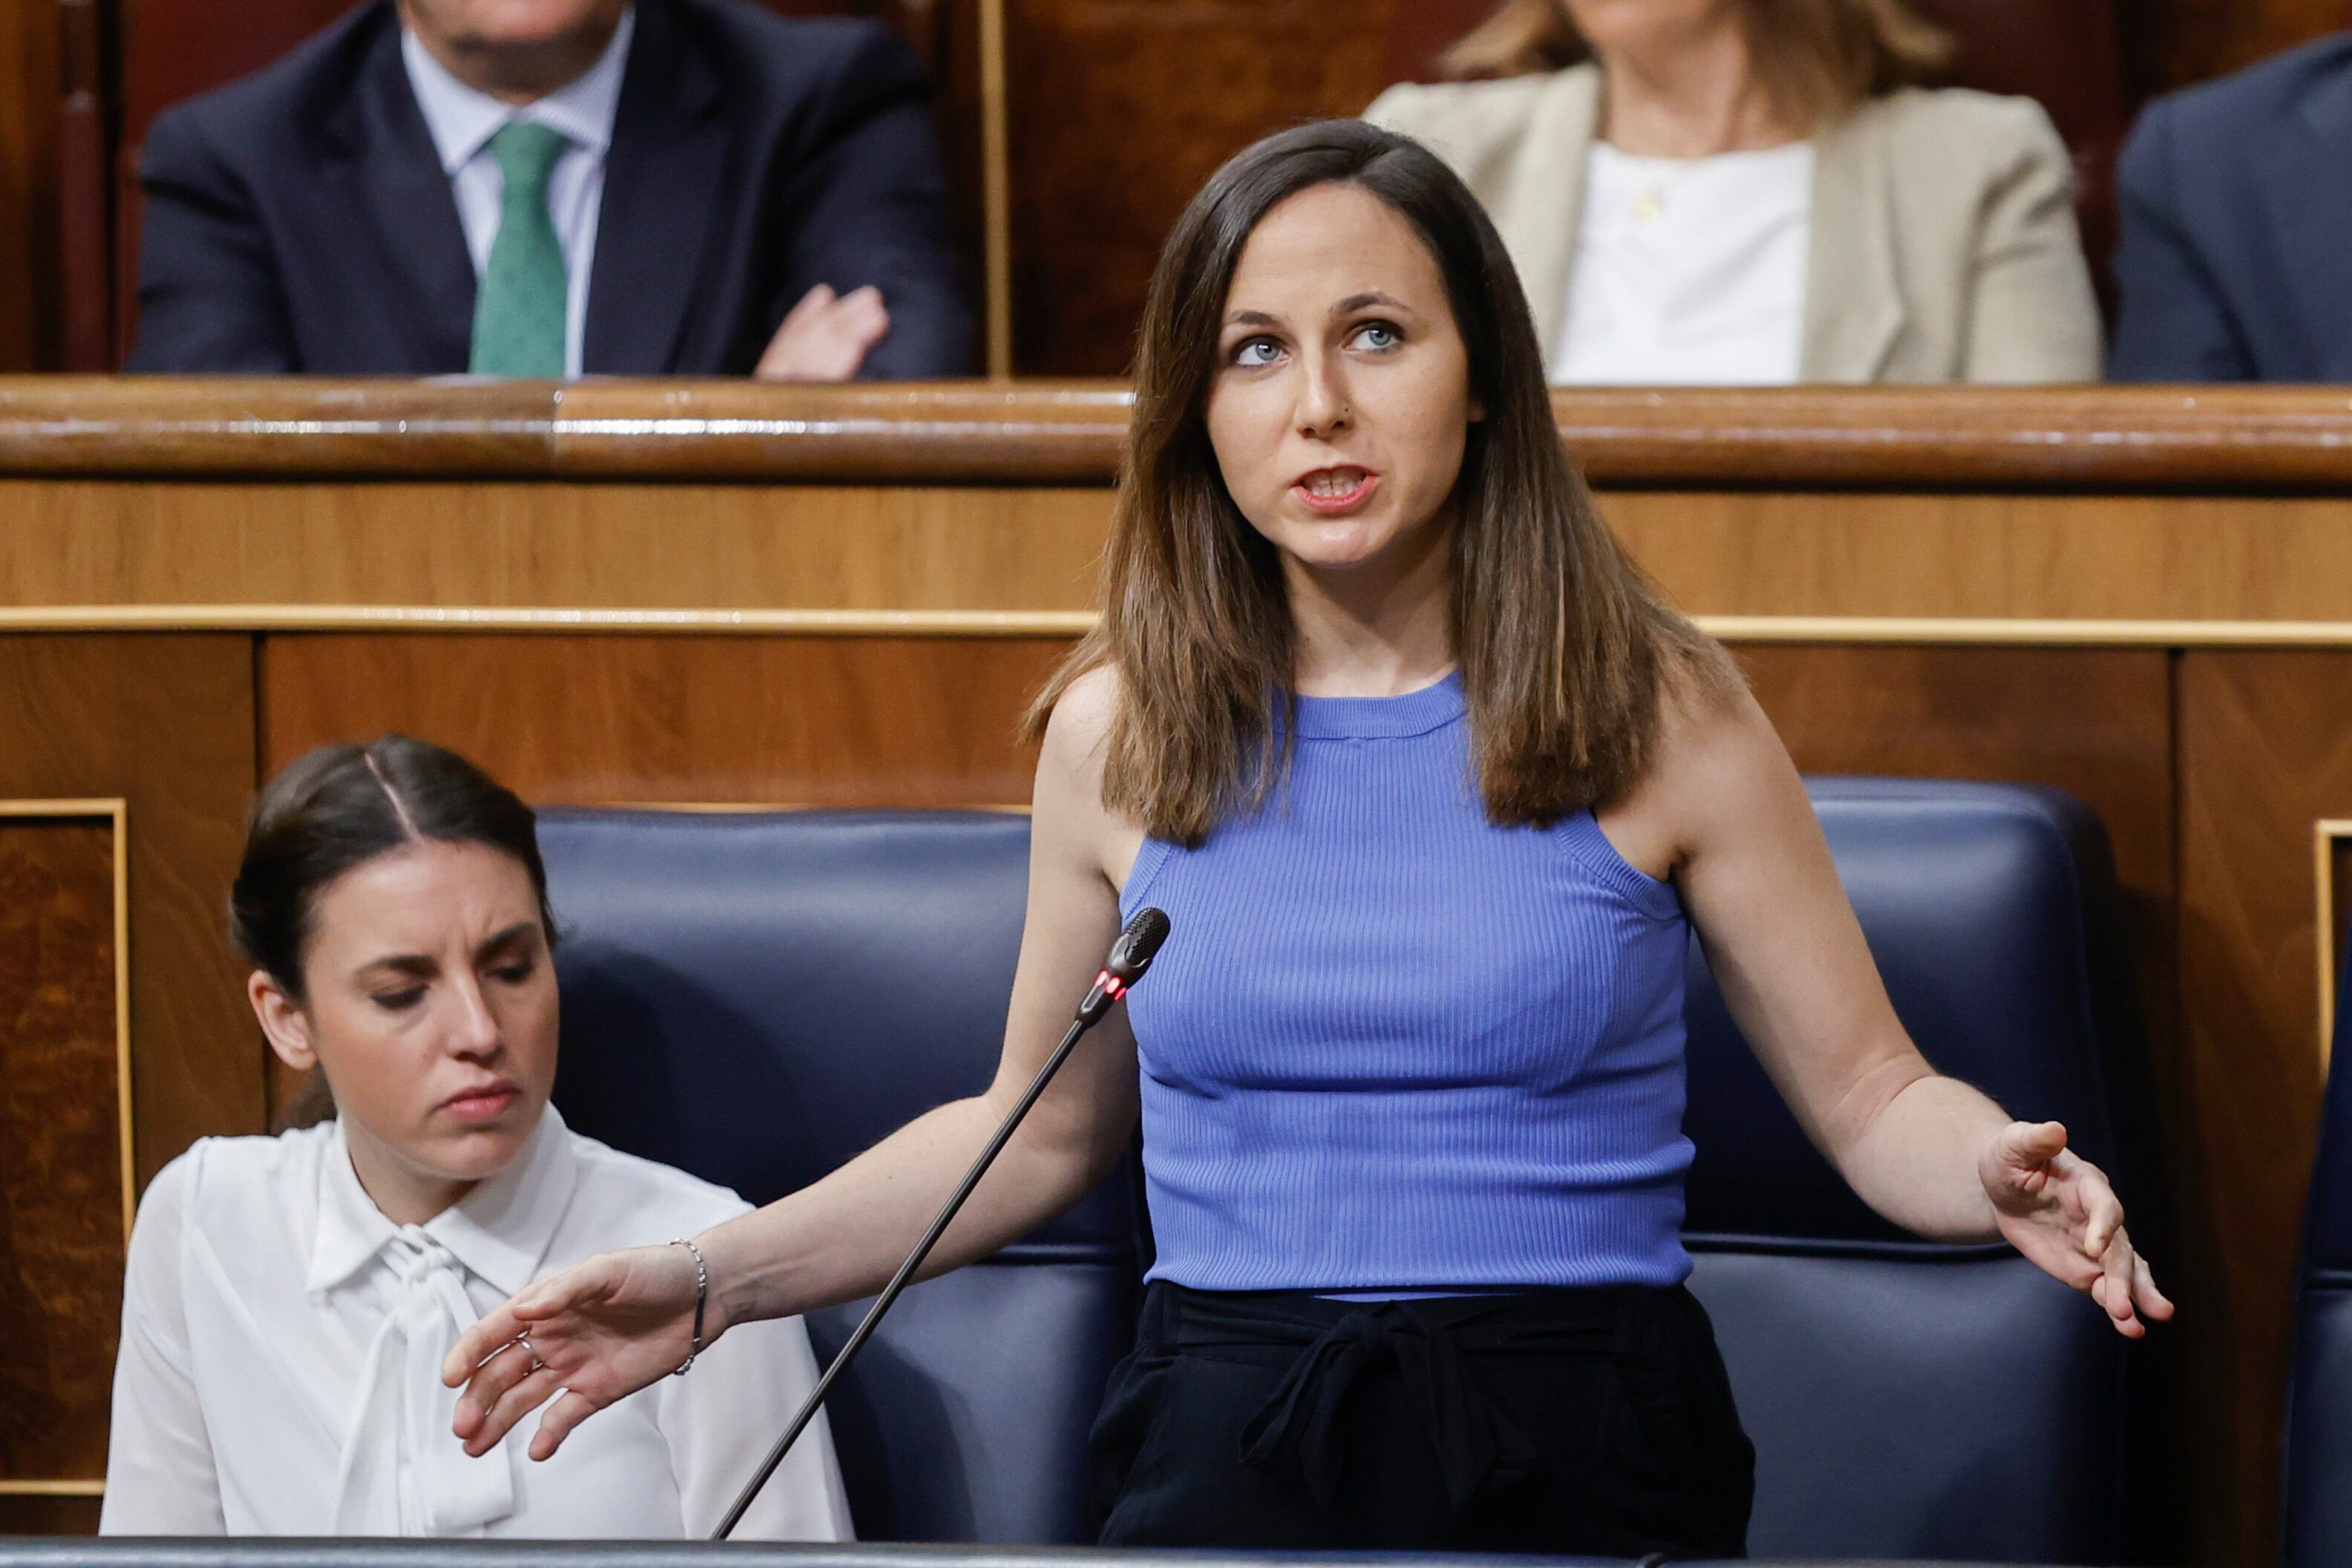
x: 522, y: 1338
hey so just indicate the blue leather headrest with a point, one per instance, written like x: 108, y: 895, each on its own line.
x: 756, y: 997
x: 1970, y: 898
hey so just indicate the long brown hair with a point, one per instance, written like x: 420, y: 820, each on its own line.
x: 1563, y: 645
x: 1816, y: 58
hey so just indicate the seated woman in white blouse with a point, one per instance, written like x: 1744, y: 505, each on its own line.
x: 1749, y: 192
x: 289, y: 1299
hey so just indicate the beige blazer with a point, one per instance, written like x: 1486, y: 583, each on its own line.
x: 1944, y: 245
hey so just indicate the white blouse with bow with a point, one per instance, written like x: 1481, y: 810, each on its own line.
x: 282, y: 1341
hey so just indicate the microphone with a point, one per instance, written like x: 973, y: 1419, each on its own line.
x: 1130, y: 955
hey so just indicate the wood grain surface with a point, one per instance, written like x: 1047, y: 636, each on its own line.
x: 2102, y: 439
x: 918, y: 721
x: 61, y: 1236
x: 166, y: 723
x: 1996, y: 556
x: 1017, y: 549
x: 49, y: 1515
x: 1108, y: 141
x: 585, y: 545
x: 2265, y: 751
x: 29, y: 112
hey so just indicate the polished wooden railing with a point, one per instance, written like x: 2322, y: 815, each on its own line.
x: 2108, y: 438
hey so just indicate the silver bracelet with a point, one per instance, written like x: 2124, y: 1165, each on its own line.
x: 701, y: 1297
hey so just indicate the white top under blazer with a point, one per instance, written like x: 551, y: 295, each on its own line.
x: 282, y: 1341
x: 1941, y: 243
x: 1689, y: 271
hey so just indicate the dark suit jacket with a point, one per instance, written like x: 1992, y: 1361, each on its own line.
x: 2236, y: 257
x: 299, y: 219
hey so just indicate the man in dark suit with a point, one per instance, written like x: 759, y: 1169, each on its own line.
x: 557, y: 187
x: 2236, y: 256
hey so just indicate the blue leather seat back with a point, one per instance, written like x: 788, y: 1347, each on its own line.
x: 758, y: 997
x: 2318, y: 1525
x: 1908, y: 1399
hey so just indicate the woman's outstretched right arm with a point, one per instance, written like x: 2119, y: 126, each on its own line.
x: 605, y: 1327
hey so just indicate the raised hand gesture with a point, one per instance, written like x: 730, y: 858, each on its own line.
x: 598, y: 1331
x: 2057, y: 1209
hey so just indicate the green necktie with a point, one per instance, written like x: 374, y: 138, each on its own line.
x: 519, y: 309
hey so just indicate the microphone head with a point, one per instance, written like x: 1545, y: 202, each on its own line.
x: 1130, y: 955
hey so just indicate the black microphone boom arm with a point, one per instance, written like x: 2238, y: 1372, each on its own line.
x: 1129, y: 957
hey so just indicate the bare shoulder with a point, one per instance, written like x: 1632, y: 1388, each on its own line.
x: 1705, y: 729
x: 1080, y: 731
x: 1717, y: 768
x: 1071, y: 823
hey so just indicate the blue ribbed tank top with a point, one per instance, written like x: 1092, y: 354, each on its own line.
x: 1390, y: 1045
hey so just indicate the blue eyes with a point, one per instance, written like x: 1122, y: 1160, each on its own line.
x: 1257, y: 353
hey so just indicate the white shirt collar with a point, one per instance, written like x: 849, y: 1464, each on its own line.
x: 461, y: 118
x: 500, y: 1230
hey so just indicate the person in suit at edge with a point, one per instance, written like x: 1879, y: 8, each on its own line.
x: 557, y: 188
x: 2237, y: 224
x: 288, y: 1300
x: 1750, y: 192
x: 1434, y: 790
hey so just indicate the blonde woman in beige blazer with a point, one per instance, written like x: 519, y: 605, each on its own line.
x: 1942, y: 242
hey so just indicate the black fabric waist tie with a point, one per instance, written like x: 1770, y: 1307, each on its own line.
x: 1330, y: 1344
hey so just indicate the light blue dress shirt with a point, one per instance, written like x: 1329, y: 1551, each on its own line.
x: 462, y: 121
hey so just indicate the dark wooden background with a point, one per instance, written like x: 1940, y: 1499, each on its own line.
x: 1116, y: 110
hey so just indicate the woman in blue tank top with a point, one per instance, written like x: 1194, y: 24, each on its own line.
x: 1433, y: 786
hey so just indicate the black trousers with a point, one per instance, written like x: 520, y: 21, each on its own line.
x: 1591, y: 1421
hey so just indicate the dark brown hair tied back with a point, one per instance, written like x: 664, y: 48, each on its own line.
x: 1564, y: 648
x: 334, y: 809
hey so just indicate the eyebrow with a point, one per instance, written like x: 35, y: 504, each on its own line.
x: 1346, y: 306
x: 419, y: 964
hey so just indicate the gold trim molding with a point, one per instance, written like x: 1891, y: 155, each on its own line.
x: 52, y: 1488
x: 1891, y: 629
x: 532, y: 618
x: 2326, y: 835
x: 116, y: 814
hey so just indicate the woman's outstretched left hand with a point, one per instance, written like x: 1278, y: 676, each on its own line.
x: 2057, y: 1209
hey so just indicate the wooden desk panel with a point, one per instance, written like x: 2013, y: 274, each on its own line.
x: 166, y: 724
x: 2265, y: 748
x: 820, y: 721
x: 2153, y: 570
x: 507, y: 543
x: 61, y: 1153
x: 2229, y: 562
